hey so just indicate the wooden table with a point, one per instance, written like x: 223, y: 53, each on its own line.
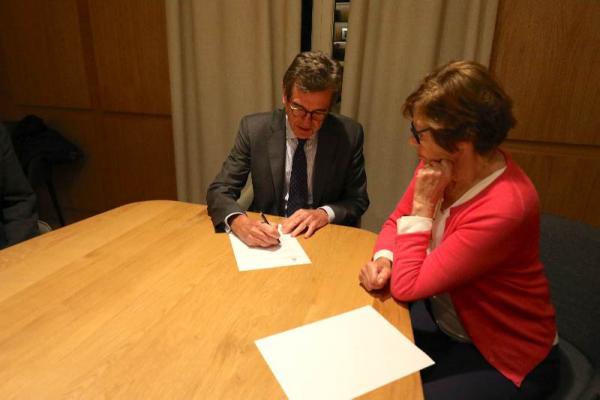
x: 145, y: 302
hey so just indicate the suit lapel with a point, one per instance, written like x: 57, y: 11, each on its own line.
x: 324, y: 160
x: 277, y: 155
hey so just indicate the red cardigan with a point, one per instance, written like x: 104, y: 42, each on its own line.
x: 488, y: 261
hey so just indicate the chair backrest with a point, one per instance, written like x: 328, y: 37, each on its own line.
x: 570, y: 251
x: 247, y: 195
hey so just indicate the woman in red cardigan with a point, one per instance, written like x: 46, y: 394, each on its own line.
x: 464, y: 237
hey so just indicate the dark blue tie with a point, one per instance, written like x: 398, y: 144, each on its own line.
x: 298, y: 197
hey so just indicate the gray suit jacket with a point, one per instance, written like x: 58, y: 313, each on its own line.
x: 339, y: 178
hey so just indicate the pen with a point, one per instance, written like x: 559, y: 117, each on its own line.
x: 266, y: 221
x: 264, y: 218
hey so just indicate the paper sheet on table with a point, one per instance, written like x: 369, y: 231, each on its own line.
x: 341, y: 357
x: 289, y: 252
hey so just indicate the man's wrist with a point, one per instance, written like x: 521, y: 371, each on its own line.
x: 329, y: 211
x: 229, y: 220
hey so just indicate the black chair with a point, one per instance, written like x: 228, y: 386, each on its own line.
x: 570, y: 251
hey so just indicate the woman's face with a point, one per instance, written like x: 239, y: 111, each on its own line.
x: 428, y: 149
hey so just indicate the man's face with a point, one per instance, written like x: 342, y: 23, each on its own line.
x: 306, y: 111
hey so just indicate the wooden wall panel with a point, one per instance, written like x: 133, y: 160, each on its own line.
x: 5, y: 98
x: 80, y: 186
x: 96, y: 71
x: 43, y: 54
x: 567, y: 179
x: 130, y: 43
x: 546, y: 53
x: 141, y: 163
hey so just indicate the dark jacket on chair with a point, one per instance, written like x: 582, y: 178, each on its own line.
x: 18, y: 220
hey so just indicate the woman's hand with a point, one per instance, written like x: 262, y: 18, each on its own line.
x: 431, y: 181
x: 376, y: 274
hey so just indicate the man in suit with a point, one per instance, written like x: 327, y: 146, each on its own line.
x: 18, y: 221
x: 306, y: 163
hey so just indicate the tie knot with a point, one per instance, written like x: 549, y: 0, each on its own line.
x: 301, y: 142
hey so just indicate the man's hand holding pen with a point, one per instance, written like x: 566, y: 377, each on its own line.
x: 266, y: 221
x: 253, y: 232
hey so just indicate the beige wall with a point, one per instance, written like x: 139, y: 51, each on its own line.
x: 97, y: 71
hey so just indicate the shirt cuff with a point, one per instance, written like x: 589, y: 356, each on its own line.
x: 226, y: 221
x: 412, y: 224
x: 384, y: 254
x: 329, y: 212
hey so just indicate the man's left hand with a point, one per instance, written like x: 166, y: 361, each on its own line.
x: 309, y: 220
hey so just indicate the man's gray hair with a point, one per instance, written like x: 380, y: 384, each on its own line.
x: 313, y: 71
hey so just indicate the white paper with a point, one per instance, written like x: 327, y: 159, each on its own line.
x: 289, y: 252
x: 341, y: 357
